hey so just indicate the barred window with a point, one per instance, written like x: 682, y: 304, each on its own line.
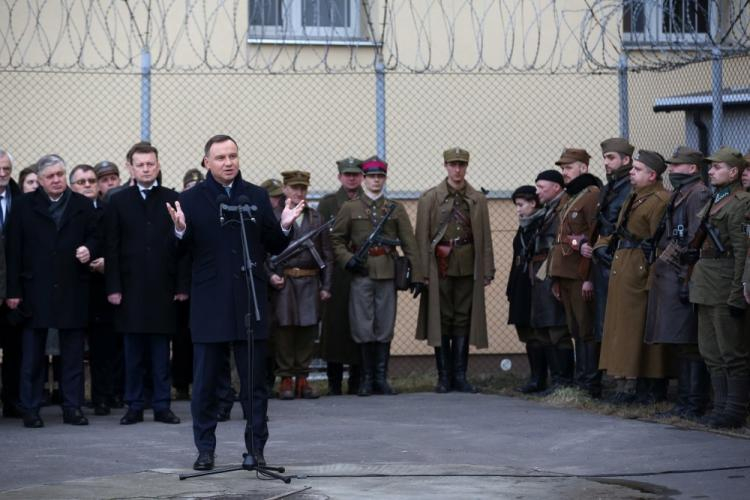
x: 666, y: 21
x: 303, y: 20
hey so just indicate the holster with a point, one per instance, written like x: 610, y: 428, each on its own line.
x: 442, y: 252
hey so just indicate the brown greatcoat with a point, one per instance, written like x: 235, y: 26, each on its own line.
x: 336, y: 342
x: 298, y: 302
x: 431, y: 209
x: 671, y: 320
x: 624, y: 354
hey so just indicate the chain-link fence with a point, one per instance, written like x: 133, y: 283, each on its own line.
x: 514, y: 90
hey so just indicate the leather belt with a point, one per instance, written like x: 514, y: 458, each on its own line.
x: 626, y: 244
x: 296, y: 272
x: 376, y: 251
x: 539, y: 257
x: 458, y: 242
x: 711, y: 253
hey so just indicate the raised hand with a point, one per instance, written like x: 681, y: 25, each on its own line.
x: 177, y: 215
x: 290, y: 213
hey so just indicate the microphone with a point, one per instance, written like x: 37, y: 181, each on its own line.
x: 222, y: 200
x: 243, y: 203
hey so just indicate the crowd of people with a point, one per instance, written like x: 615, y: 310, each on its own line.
x: 637, y: 281
x: 626, y: 278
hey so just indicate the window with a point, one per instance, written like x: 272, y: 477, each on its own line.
x: 304, y: 20
x: 666, y: 21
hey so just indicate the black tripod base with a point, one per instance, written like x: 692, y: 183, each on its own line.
x: 250, y: 463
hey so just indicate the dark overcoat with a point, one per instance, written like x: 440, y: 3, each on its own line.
x: 546, y: 310
x: 218, y: 293
x: 141, y: 261
x: 42, y: 267
x: 297, y: 303
x: 336, y: 343
x: 518, y: 288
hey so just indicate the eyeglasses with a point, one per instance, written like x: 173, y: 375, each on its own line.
x: 81, y: 182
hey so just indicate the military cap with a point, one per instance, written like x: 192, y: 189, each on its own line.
x: 106, y: 168
x: 526, y: 192
x: 456, y: 155
x: 192, y: 175
x: 684, y: 154
x: 349, y: 166
x: 552, y: 176
x: 617, y: 145
x: 374, y: 165
x: 728, y: 155
x: 569, y: 155
x: 651, y: 159
x: 296, y: 178
x: 272, y: 186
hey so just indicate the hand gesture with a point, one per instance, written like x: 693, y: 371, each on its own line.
x: 587, y: 290
x: 178, y: 216
x: 290, y: 213
x: 82, y: 254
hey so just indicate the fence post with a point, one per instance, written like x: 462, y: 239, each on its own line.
x: 717, y: 109
x: 145, y: 94
x: 622, y: 74
x: 380, y: 106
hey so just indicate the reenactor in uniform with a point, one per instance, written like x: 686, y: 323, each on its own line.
x: 617, y: 155
x: 716, y: 287
x: 671, y: 318
x: 455, y: 248
x: 548, y: 313
x: 336, y: 343
x: 571, y: 271
x: 624, y: 354
x: 275, y: 190
x: 518, y: 289
x: 372, y: 302
x: 299, y: 285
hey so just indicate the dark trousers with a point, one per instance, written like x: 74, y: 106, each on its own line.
x: 140, y: 348
x: 10, y: 341
x: 209, y: 366
x: 34, y: 361
x: 182, y: 349
x: 105, y: 361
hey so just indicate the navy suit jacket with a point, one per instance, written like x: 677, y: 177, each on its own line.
x: 218, y: 296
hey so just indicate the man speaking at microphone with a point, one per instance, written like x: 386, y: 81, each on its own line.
x: 219, y: 294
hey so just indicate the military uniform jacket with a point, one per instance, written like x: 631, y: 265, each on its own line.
x: 577, y: 222
x: 218, y: 293
x: 546, y: 310
x: 623, y: 352
x: 356, y: 221
x: 298, y: 302
x: 432, y: 208
x: 142, y: 262
x: 718, y: 281
x: 42, y: 268
x: 336, y: 343
x: 669, y: 319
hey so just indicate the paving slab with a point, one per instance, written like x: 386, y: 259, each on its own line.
x: 406, y: 446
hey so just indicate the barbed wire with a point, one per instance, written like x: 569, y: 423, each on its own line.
x: 286, y: 36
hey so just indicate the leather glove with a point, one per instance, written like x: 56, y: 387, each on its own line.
x: 603, y: 257
x: 736, y: 312
x: 417, y: 288
x: 355, y: 266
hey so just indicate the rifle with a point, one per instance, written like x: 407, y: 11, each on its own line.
x: 615, y: 238
x: 692, y: 254
x: 303, y: 243
x: 360, y: 257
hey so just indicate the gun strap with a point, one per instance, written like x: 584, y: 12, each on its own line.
x: 442, y: 226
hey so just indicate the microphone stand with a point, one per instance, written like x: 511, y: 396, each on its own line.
x: 250, y: 459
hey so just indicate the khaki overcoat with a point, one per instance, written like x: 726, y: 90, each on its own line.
x: 431, y: 209
x: 624, y: 353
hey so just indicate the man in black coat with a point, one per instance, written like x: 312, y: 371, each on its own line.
x: 219, y: 293
x: 51, y: 239
x: 10, y: 328
x: 144, y: 280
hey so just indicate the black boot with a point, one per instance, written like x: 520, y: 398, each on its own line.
x: 538, y: 366
x: 334, y: 373
x: 368, y: 369
x: 354, y: 377
x: 561, y: 366
x: 719, y: 385
x: 698, y: 389
x: 460, y: 354
x: 683, y: 391
x: 443, y: 363
x: 735, y: 408
x: 567, y: 365
x: 380, y: 384
x: 592, y: 377
x: 580, y: 366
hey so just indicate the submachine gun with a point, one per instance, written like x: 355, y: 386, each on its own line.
x: 303, y: 243
x: 357, y: 262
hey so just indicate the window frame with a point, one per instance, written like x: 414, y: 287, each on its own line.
x: 295, y: 33
x: 653, y: 32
